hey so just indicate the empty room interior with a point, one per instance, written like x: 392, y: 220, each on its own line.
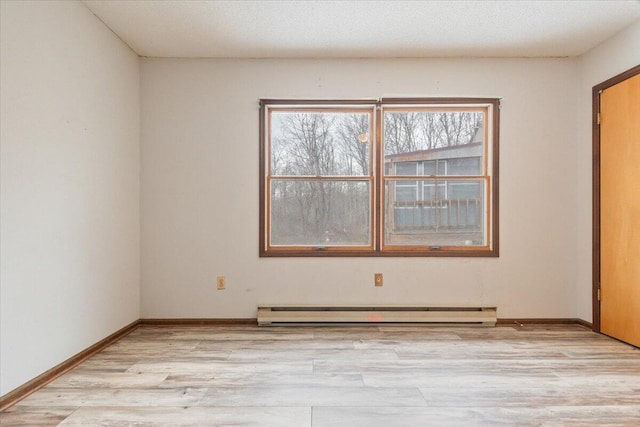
x: 320, y: 213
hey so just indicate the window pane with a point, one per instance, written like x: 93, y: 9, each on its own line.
x: 406, y: 168
x: 429, y: 190
x: 452, y: 216
x: 443, y: 143
x: 442, y: 167
x: 320, y: 213
x: 429, y: 167
x: 464, y: 166
x: 406, y: 191
x: 320, y: 143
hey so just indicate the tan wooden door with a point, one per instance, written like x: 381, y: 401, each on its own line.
x: 620, y: 211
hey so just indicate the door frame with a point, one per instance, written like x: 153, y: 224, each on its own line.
x: 597, y: 90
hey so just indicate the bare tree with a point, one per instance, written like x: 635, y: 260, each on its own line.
x: 458, y: 127
x: 400, y: 132
x: 308, y: 142
x: 405, y: 132
x: 428, y: 128
x: 305, y: 146
x: 354, y: 131
x: 355, y: 141
x: 318, y: 144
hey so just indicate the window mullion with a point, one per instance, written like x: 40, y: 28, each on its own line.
x: 378, y: 203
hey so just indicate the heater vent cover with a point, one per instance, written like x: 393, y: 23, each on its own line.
x: 305, y: 314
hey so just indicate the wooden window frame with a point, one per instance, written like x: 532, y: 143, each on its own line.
x: 377, y: 247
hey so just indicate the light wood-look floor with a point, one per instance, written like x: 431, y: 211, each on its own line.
x: 346, y: 376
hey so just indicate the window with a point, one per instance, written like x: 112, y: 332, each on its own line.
x: 389, y: 177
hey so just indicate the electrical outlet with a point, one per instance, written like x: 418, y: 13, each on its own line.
x: 377, y: 279
x: 221, y: 282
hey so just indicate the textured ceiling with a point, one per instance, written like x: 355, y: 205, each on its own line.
x: 340, y: 29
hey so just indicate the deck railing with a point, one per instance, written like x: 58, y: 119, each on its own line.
x: 436, y: 215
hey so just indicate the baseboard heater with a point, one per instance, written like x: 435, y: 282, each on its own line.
x: 273, y: 315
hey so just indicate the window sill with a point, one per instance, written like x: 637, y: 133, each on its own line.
x: 395, y: 252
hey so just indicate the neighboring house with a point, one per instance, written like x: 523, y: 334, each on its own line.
x: 434, y: 204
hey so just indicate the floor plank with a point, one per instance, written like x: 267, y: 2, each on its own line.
x: 190, y: 416
x: 52, y: 397
x: 582, y: 416
x: 313, y: 396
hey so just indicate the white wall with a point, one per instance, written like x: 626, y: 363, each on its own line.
x: 70, y: 153
x: 607, y: 60
x: 200, y: 187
